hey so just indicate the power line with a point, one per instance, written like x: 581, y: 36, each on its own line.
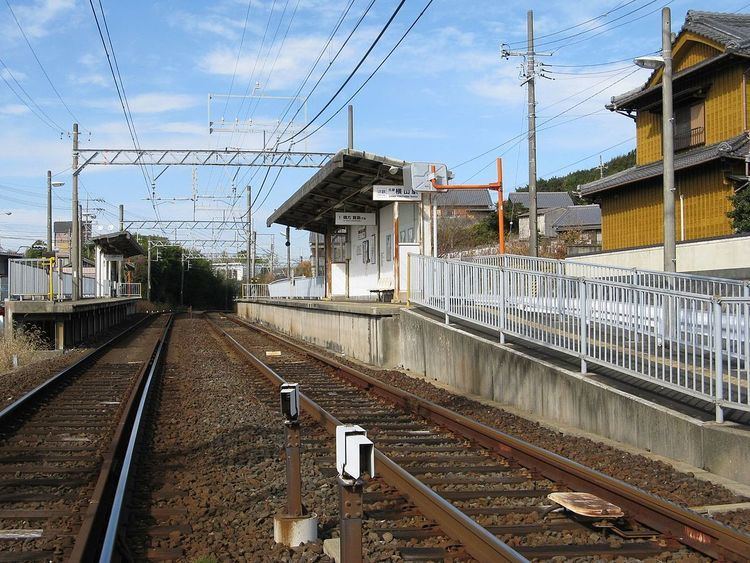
x: 41, y: 66
x: 580, y: 24
x: 353, y: 72
x: 239, y: 53
x: 377, y: 68
x: 628, y: 140
x: 628, y: 59
x: 38, y: 112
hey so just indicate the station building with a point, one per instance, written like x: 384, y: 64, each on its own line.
x: 369, y: 221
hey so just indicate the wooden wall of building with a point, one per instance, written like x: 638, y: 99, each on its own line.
x: 724, y: 102
x: 633, y: 215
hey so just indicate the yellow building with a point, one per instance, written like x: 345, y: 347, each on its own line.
x: 711, y: 64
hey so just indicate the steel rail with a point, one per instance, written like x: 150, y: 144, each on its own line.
x: 9, y: 413
x: 689, y: 528
x: 477, y: 540
x: 90, y: 535
x: 129, y: 455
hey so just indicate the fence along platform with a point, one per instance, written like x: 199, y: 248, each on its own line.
x: 44, y: 279
x: 691, y: 342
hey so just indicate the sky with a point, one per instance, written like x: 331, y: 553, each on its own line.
x: 444, y: 95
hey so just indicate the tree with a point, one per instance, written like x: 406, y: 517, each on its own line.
x: 36, y: 250
x: 740, y: 215
x: 304, y: 268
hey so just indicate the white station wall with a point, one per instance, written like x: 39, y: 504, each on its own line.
x: 363, y: 265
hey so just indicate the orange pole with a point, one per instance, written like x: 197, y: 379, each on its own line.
x: 493, y: 186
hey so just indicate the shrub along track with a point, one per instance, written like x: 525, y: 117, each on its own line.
x: 210, y: 470
x: 499, y: 480
x: 61, y: 446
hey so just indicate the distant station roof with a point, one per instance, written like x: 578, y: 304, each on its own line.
x: 118, y: 243
x: 544, y: 200
x: 343, y: 184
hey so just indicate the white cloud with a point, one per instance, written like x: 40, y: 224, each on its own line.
x: 14, y: 109
x: 37, y: 19
x: 149, y: 103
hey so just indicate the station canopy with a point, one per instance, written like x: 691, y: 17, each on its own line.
x: 122, y: 243
x: 343, y: 184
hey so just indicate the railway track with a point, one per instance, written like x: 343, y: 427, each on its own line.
x: 484, y: 489
x: 61, y: 448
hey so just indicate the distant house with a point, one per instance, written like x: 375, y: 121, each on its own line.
x: 5, y: 256
x: 544, y: 200
x: 583, y: 220
x: 464, y: 203
x: 62, y: 230
x: 711, y: 55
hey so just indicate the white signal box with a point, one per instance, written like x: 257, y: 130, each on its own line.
x: 418, y: 176
x: 290, y: 401
x: 355, y: 452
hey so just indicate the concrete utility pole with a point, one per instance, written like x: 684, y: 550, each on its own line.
x: 530, y: 70
x: 75, y: 251
x: 122, y: 217
x: 49, y: 211
x: 148, y: 274
x: 670, y: 244
x: 252, y: 258
x: 249, y: 234
x: 350, y: 143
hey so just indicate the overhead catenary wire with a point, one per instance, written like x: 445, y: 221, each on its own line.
x: 377, y: 68
x: 352, y: 73
x: 41, y: 66
x: 29, y: 102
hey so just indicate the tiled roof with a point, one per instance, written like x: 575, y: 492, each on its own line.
x: 731, y: 31
x: 736, y: 147
x: 579, y: 217
x: 544, y: 200
x: 465, y: 198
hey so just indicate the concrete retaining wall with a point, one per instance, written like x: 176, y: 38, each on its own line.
x: 479, y: 366
x: 367, y: 333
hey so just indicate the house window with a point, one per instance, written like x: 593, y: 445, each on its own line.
x: 689, y: 126
x: 339, y: 245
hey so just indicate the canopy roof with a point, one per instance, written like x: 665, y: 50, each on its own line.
x: 118, y: 243
x: 343, y: 184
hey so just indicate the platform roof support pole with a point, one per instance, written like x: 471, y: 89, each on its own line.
x: 396, y: 265
x: 329, y: 263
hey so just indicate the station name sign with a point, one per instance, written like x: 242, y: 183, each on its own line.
x: 394, y: 193
x: 343, y: 218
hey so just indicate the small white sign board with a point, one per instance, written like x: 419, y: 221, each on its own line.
x: 113, y: 257
x: 344, y: 218
x: 418, y: 176
x: 394, y: 193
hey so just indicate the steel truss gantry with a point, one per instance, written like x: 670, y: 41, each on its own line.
x: 200, y: 157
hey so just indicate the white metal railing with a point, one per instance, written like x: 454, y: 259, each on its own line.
x: 250, y: 290
x: 44, y: 279
x: 298, y: 288
x: 686, y: 283
x: 696, y: 344
x: 128, y: 290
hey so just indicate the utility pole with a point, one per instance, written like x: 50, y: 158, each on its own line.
x: 182, y: 277
x: 122, y: 217
x: 530, y: 70
x: 249, y: 234
x: 252, y: 258
x: 670, y: 244
x: 148, y: 275
x: 350, y: 143
x: 529, y: 76
x: 75, y: 250
x: 49, y: 211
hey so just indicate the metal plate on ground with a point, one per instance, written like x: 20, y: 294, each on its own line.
x: 586, y: 504
x: 273, y: 353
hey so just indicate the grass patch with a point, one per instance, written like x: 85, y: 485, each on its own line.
x: 25, y: 344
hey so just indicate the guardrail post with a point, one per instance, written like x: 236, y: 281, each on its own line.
x: 718, y: 361
x: 446, y: 285
x: 560, y: 270
x: 582, y: 324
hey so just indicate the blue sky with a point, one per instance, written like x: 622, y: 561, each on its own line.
x: 445, y: 95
